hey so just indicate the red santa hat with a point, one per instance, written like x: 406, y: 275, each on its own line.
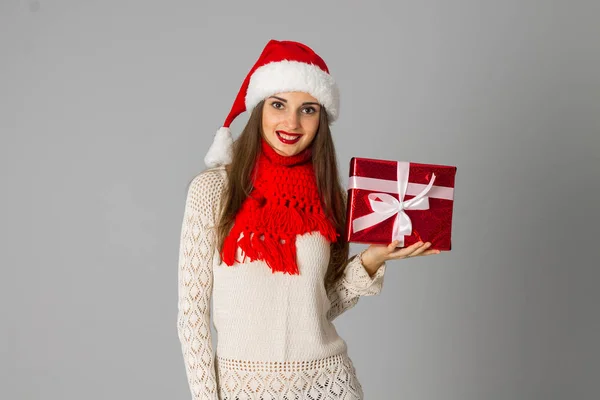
x: 283, y: 66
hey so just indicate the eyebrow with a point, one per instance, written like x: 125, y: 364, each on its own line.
x: 285, y: 101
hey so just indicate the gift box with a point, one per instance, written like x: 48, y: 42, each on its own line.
x: 396, y: 200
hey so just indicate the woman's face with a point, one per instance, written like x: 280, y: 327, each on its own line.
x: 290, y: 121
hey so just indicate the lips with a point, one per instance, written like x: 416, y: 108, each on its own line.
x: 288, y: 138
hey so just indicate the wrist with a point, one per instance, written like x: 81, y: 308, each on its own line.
x: 370, y: 265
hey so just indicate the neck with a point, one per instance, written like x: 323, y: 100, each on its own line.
x: 276, y: 158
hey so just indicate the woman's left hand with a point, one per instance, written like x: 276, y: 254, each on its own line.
x: 377, y: 254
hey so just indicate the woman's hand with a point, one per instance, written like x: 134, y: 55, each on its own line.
x: 377, y: 254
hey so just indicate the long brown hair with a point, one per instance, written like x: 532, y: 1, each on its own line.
x: 245, y: 152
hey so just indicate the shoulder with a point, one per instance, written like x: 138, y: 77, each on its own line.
x: 205, y: 191
x: 209, y: 180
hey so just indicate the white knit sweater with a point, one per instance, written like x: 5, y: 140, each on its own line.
x: 276, y: 339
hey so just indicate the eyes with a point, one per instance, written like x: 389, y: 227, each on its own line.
x: 306, y: 110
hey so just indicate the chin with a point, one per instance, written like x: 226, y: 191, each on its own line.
x: 282, y: 149
x: 287, y: 152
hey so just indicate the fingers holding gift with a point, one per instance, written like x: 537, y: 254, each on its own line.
x: 402, y: 252
x: 414, y: 250
x: 421, y: 249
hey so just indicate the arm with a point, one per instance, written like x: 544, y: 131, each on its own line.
x: 195, y: 280
x: 355, y: 282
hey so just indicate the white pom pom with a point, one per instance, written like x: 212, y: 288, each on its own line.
x: 221, y: 150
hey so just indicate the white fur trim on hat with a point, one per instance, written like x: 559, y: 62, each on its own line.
x: 293, y: 76
x: 221, y: 150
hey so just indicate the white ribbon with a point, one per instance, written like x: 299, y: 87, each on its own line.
x: 389, y: 205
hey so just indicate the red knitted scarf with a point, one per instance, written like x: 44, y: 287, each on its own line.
x: 284, y: 203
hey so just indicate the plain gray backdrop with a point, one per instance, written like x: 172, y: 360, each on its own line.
x: 108, y: 107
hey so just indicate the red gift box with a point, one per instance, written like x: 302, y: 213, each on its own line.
x: 389, y: 200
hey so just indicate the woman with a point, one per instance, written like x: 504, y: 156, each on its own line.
x: 262, y: 236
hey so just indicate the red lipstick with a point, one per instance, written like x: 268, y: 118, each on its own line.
x: 288, y: 141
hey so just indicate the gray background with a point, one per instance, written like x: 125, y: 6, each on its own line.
x: 108, y: 107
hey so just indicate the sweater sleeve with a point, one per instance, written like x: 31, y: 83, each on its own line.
x: 195, y: 280
x: 354, y: 283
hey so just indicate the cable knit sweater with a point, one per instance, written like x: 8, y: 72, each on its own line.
x: 276, y: 339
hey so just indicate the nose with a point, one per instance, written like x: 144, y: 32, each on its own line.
x: 292, y: 120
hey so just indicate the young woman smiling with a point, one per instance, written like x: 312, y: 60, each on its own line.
x: 262, y: 237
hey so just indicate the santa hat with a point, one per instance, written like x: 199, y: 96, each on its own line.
x: 283, y: 66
